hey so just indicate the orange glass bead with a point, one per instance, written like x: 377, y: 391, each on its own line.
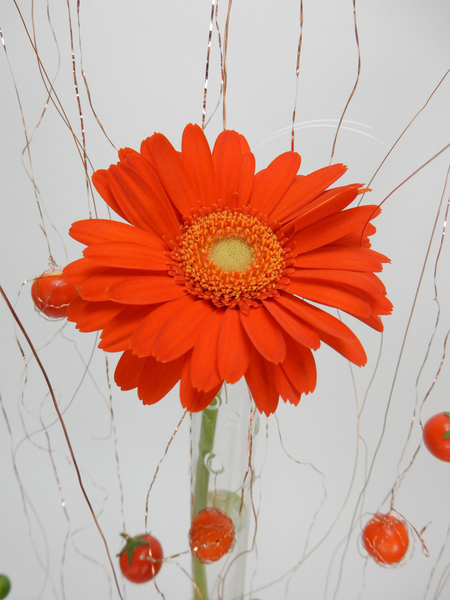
x: 211, y: 535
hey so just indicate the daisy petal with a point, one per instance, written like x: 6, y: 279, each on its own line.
x: 274, y: 182
x: 79, y: 271
x: 198, y: 162
x: 328, y: 203
x: 227, y: 161
x: 234, y: 347
x: 204, y: 369
x: 304, y: 190
x: 292, y: 325
x: 244, y: 144
x: 284, y: 386
x: 145, y: 290
x: 157, y: 379
x: 143, y: 200
x: 75, y: 308
x: 190, y: 398
x: 248, y: 164
x: 89, y: 275
x: 352, y: 351
x: 375, y: 322
x: 128, y: 371
x: 181, y: 331
x: 340, y: 257
x: 93, y: 317
x: 172, y: 174
x: 334, y: 296
x: 126, y: 153
x: 258, y: 176
x: 315, y: 316
x: 265, y: 334
x: 126, y: 256
x: 261, y: 385
x: 102, y: 185
x: 144, y: 187
x: 332, y: 228
x: 367, y: 282
x: 146, y: 152
x: 94, y: 287
x: 118, y: 331
x: 350, y: 297
x: 142, y: 340
x: 299, y: 366
x: 130, y: 198
x: 97, y: 231
x: 197, y: 401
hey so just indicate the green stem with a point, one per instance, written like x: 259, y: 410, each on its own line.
x: 205, y: 446
x: 200, y: 580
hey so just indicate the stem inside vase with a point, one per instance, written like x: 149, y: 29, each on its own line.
x: 205, y: 447
x: 221, y: 464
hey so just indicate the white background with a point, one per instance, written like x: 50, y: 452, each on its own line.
x: 144, y: 63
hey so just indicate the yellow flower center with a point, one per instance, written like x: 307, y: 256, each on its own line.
x: 231, y: 254
x: 230, y: 257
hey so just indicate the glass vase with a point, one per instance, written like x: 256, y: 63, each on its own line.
x: 222, y: 441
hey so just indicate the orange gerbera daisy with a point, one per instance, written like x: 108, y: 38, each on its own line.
x: 209, y: 281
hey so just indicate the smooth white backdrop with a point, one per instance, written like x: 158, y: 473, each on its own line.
x: 144, y: 64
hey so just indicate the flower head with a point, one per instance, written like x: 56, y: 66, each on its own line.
x: 209, y: 278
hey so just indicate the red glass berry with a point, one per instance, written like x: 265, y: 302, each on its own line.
x: 52, y: 295
x: 386, y: 539
x: 211, y: 535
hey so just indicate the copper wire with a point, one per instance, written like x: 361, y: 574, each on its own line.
x: 355, y: 85
x: 65, y: 432
x: 172, y: 437
x: 297, y: 74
